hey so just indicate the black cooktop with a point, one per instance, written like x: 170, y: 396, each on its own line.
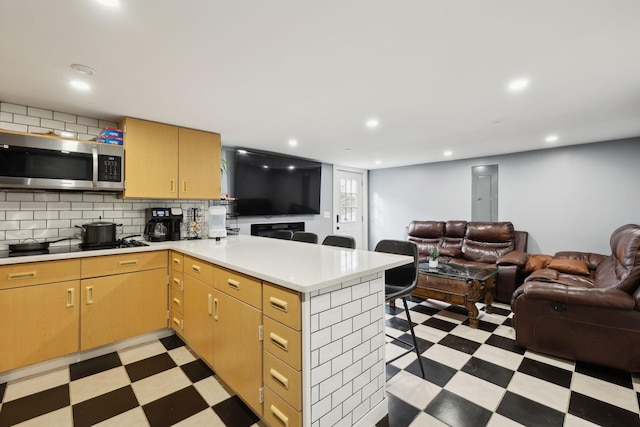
x: 64, y: 249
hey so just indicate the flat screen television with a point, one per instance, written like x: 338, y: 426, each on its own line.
x: 275, y: 184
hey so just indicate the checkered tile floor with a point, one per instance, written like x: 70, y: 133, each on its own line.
x: 474, y: 377
x: 479, y: 377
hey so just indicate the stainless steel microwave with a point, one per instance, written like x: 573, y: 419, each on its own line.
x: 34, y: 162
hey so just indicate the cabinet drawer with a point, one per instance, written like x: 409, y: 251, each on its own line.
x: 199, y: 269
x: 176, y: 281
x: 176, y: 260
x: 283, y: 380
x: 109, y: 265
x: 282, y: 305
x: 176, y: 301
x: 177, y: 321
x: 35, y: 273
x: 277, y: 413
x: 283, y: 342
x: 240, y: 286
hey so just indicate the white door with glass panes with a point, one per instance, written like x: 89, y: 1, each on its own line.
x: 350, y: 204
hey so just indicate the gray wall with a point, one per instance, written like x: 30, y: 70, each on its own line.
x: 567, y: 198
x: 313, y: 223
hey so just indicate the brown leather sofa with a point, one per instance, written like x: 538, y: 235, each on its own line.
x: 479, y: 244
x: 585, y: 306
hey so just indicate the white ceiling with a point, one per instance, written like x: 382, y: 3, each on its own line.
x: 433, y: 72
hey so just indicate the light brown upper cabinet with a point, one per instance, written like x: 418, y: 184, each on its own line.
x: 168, y: 162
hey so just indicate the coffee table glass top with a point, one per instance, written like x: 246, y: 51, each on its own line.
x: 459, y: 272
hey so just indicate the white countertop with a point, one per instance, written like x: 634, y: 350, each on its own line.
x: 299, y: 266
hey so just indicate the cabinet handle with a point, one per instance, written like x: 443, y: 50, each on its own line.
x: 279, y: 304
x: 176, y: 261
x: 172, y: 185
x: 176, y: 301
x: 176, y: 280
x: 128, y: 263
x: 25, y: 275
x: 284, y: 381
x: 209, y: 308
x: 196, y: 268
x: 177, y: 322
x: 70, y: 299
x: 279, y: 341
x: 234, y: 284
x: 89, y: 295
x: 184, y: 186
x: 279, y: 415
x: 215, y: 308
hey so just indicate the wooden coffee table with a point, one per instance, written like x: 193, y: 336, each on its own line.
x: 459, y: 285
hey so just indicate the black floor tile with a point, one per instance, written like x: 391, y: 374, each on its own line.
x: 393, y: 310
x: 457, y: 411
x: 483, y: 325
x: 488, y: 371
x: 391, y: 371
x: 457, y: 309
x: 423, y: 344
x: 440, y: 324
x: 94, y: 366
x: 508, y: 322
x: 103, y: 407
x: 234, y: 413
x: 398, y: 323
x: 460, y: 344
x: 150, y: 366
x: 34, y: 405
x: 550, y: 373
x: 196, y: 370
x: 415, y: 299
x: 424, y: 309
x: 601, y: 413
x: 505, y: 344
x: 500, y: 311
x: 400, y: 412
x: 528, y: 412
x: 384, y: 422
x: 171, y: 342
x: 434, y: 372
x: 174, y: 407
x: 611, y: 375
x: 3, y: 387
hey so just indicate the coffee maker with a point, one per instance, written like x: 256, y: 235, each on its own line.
x: 162, y: 224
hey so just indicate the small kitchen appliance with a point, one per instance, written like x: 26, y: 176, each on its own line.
x: 217, y: 222
x: 162, y: 224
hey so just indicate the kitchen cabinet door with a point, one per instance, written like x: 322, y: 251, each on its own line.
x: 198, y: 317
x: 199, y: 164
x: 151, y: 153
x: 238, y: 349
x: 122, y: 306
x: 40, y: 322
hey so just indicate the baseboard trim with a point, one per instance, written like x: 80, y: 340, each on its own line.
x: 375, y: 415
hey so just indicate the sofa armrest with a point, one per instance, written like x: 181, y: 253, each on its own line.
x: 518, y: 258
x: 571, y: 295
x: 592, y: 259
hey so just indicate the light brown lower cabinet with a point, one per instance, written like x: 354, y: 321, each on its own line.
x: 42, y: 322
x: 122, y: 306
x: 238, y: 349
x: 198, y: 317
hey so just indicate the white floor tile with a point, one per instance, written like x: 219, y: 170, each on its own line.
x: 97, y: 384
x: 573, y: 421
x: 413, y: 390
x: 477, y: 335
x: 140, y: 352
x: 212, y: 391
x: 476, y: 390
x: 206, y: 418
x: 34, y: 384
x: 505, y: 331
x: 568, y: 365
x: 450, y: 316
x: 429, y: 334
x: 61, y: 417
x: 159, y: 385
x: 607, y: 392
x: 181, y: 355
x: 540, y: 391
x: 447, y: 356
x: 423, y: 419
x: 498, y: 356
x: 498, y: 420
x: 132, y: 418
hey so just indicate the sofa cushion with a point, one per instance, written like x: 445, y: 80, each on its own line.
x: 569, y: 266
x: 427, y: 229
x: 536, y: 262
x: 455, y: 229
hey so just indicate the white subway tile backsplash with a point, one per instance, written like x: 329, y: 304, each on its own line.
x: 13, y: 108
x: 369, y: 331
x: 340, y: 297
x: 361, y: 350
x: 369, y: 302
x: 92, y: 214
x: 351, y: 309
x: 58, y: 223
x: 45, y: 233
x: 331, y: 418
x: 341, y: 329
x: 18, y: 215
x: 369, y: 360
x: 352, y: 340
x: 19, y: 197
x: 341, y: 394
x: 13, y: 126
x: 113, y: 214
x: 361, y: 320
x: 341, y: 362
x: 95, y: 131
x: 32, y: 225
x: 320, y: 303
x: 330, y: 351
x: 38, y: 129
x: 330, y: 317
x: 26, y: 120
x: 75, y: 128
x: 320, y: 338
x: 321, y: 373
x: 39, y: 112
x: 10, y: 225
x: 46, y: 197
x: 122, y: 206
x: 70, y: 214
x: 360, y: 291
x: 6, y: 117
x: 9, y: 206
x: 361, y: 410
x: 18, y: 234
x: 93, y: 198
x: 64, y: 117
x: 85, y: 137
x: 87, y: 121
x: 352, y: 402
x: 52, y: 124
x: 352, y: 371
x: 322, y: 407
x: 33, y: 206
x: 71, y: 197
x: 330, y: 385
x: 103, y: 206
x: 58, y: 206
x: 81, y: 206
x: 361, y: 380
x: 107, y: 124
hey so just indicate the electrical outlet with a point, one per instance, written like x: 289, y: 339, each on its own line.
x: 327, y: 214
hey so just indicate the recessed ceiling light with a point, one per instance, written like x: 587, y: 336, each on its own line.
x: 80, y: 85
x: 348, y: 149
x: 518, y: 85
x: 265, y: 166
x: 448, y: 153
x: 293, y: 142
x: 110, y: 3
x: 551, y: 138
x: 372, y: 123
x: 83, y: 69
x: 291, y: 167
x: 378, y: 162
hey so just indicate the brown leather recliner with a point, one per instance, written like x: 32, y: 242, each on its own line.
x: 586, y: 307
x: 485, y: 244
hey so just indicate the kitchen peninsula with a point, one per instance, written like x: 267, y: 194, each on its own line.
x: 318, y: 342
